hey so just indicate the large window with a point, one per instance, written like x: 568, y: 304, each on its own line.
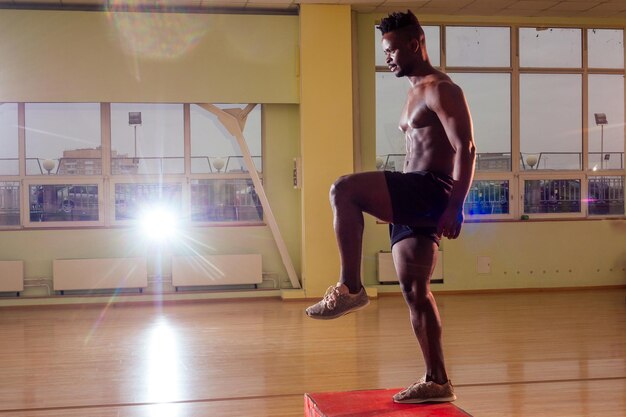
x: 552, y: 196
x: 214, y: 149
x: 551, y: 121
x: 550, y: 48
x: 9, y: 159
x: 219, y: 200
x: 478, y: 46
x: 178, y: 157
x: 606, y: 195
x: 147, y: 139
x: 63, y: 139
x: 488, y: 197
x: 63, y: 203
x: 605, y: 48
x: 489, y: 98
x: 548, y: 117
x: 9, y: 203
x: 133, y: 200
x: 606, y: 122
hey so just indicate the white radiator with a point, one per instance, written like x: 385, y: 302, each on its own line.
x: 11, y: 276
x: 216, y: 270
x: 387, y: 271
x: 91, y: 274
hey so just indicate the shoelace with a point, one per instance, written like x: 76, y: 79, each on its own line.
x: 331, y: 296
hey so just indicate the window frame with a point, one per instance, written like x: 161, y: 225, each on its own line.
x: 223, y: 223
x: 145, y: 179
x: 106, y: 182
x: 556, y: 175
x: 69, y: 180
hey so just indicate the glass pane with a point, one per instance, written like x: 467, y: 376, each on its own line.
x: 478, y: 46
x: 147, y: 139
x: 606, y: 195
x: 551, y: 121
x: 214, y: 150
x: 132, y: 200
x: 606, y: 141
x: 551, y: 196
x: 391, y: 94
x: 63, y: 139
x: 433, y: 46
x: 605, y: 48
x: 63, y: 202
x: 550, y: 47
x: 9, y: 157
x: 489, y: 100
x: 488, y: 197
x: 227, y: 200
x: 9, y: 203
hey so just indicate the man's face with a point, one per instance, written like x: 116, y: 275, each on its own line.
x: 400, y: 53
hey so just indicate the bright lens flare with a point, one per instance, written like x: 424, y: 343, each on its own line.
x: 159, y: 224
x: 159, y: 36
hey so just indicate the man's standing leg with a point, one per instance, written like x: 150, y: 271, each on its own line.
x: 350, y: 197
x: 415, y: 259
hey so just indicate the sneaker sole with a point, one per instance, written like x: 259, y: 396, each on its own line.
x: 429, y: 400
x: 339, y: 315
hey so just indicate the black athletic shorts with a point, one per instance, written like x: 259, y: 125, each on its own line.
x: 417, y: 199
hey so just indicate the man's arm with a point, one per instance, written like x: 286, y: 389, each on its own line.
x: 448, y: 101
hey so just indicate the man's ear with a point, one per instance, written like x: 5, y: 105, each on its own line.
x: 414, y: 45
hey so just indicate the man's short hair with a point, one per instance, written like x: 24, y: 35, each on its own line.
x: 401, y: 21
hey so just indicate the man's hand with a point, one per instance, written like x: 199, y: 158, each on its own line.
x: 450, y: 223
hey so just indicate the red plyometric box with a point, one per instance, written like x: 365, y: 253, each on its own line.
x: 373, y: 403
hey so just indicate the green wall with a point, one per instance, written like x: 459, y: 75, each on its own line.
x: 77, y: 56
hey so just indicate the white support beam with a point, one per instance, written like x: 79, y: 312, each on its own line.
x: 234, y: 120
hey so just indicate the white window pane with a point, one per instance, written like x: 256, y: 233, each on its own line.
x: 225, y: 200
x: 433, y: 46
x: 606, y: 142
x: 9, y: 203
x: 63, y: 202
x: 152, y: 145
x: 391, y: 94
x: 132, y: 200
x: 605, y: 48
x: 550, y: 47
x: 214, y: 149
x: 62, y: 137
x: 9, y: 162
x: 489, y: 100
x: 606, y: 195
x: 478, y: 46
x: 487, y: 197
x: 551, y: 121
x: 552, y: 196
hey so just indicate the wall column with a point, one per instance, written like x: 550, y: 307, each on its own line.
x: 326, y: 133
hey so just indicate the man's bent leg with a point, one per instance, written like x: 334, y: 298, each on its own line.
x: 350, y: 196
x: 414, y: 259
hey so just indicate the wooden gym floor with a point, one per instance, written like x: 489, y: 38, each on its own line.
x: 555, y: 353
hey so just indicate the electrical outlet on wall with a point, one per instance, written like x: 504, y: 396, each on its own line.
x: 483, y: 265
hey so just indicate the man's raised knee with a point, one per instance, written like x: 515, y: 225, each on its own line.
x: 339, y: 189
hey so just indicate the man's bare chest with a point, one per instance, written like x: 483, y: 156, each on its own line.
x: 416, y: 114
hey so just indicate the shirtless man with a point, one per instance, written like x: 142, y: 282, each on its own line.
x: 422, y: 203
